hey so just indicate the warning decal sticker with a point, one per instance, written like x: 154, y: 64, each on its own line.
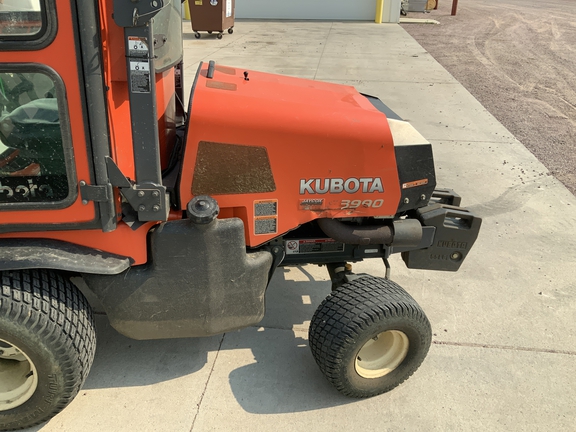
x: 266, y: 226
x: 265, y: 217
x: 137, y: 47
x: 140, y: 76
x: 266, y: 208
x: 139, y: 64
x: 310, y: 246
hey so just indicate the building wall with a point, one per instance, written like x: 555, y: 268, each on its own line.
x: 307, y: 9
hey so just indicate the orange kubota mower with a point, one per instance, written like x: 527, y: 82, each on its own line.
x: 113, y: 197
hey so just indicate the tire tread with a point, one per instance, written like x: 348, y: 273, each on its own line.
x: 48, y: 305
x: 347, y: 313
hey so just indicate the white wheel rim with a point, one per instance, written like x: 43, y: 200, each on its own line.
x: 18, y: 376
x: 382, y: 354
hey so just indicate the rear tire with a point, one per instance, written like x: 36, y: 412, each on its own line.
x: 47, y: 339
x: 369, y: 336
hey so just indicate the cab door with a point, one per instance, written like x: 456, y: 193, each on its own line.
x: 45, y: 139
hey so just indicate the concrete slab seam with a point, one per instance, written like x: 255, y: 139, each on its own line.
x: 207, y: 382
x: 505, y: 347
x: 323, y: 49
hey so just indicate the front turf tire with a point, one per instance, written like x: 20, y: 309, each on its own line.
x: 369, y: 336
x: 47, y: 340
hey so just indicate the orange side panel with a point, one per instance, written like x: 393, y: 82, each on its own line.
x: 315, y: 134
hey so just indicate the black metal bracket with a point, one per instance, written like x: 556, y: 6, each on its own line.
x: 149, y: 200
x: 95, y: 193
x: 278, y: 254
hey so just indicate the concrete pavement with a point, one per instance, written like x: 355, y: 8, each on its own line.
x: 504, y: 347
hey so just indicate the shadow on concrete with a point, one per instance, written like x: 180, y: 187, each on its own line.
x: 124, y: 362
x: 284, y: 377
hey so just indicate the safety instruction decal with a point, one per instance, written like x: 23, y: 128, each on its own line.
x: 265, y: 217
x: 139, y: 76
x: 138, y: 53
x: 228, y: 8
x: 310, y: 246
x: 137, y: 46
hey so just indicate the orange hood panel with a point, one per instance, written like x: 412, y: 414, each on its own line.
x: 278, y: 151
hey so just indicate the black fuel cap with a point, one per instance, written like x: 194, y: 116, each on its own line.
x: 202, y: 209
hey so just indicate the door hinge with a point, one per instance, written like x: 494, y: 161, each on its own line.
x: 95, y: 193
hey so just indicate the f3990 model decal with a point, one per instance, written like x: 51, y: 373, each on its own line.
x: 338, y: 185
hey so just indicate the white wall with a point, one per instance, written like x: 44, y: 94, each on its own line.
x: 307, y: 9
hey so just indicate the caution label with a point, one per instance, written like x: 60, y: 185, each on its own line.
x: 140, y: 77
x: 310, y: 246
x: 265, y: 217
x: 137, y: 46
x: 267, y: 225
x: 266, y: 208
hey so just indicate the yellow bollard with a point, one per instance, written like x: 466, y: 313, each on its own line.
x: 186, y: 11
x: 379, y: 11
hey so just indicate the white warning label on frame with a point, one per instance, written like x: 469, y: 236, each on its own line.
x: 140, y: 77
x: 139, y: 66
x: 137, y: 46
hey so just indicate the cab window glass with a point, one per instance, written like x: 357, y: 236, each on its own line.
x: 20, y: 17
x: 32, y: 162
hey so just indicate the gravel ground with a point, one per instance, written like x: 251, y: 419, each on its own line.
x: 518, y: 58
